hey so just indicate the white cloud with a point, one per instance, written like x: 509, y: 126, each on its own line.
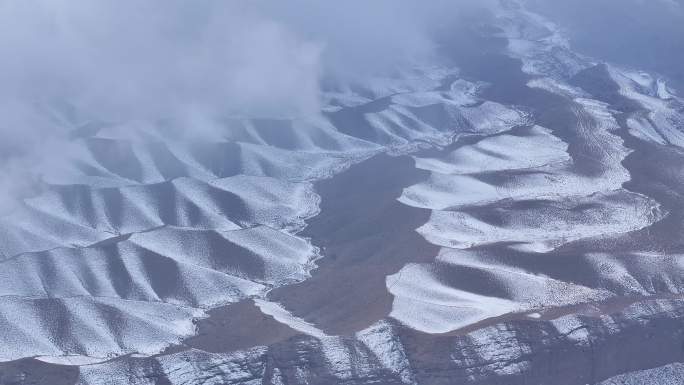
x: 65, y: 62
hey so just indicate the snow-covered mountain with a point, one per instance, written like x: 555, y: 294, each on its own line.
x: 512, y: 215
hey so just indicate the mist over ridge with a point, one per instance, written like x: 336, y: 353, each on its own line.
x: 68, y: 63
x: 358, y: 192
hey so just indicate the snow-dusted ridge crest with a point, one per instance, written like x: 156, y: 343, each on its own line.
x: 159, y: 230
x: 387, y: 353
x: 139, y: 235
x: 532, y: 191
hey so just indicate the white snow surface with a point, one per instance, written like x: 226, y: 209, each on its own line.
x: 662, y: 120
x: 140, y: 231
x: 671, y: 374
x: 136, y: 214
x: 282, y: 315
x: 530, y: 191
x: 89, y: 326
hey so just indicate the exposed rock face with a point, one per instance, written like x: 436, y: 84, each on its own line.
x: 572, y: 349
